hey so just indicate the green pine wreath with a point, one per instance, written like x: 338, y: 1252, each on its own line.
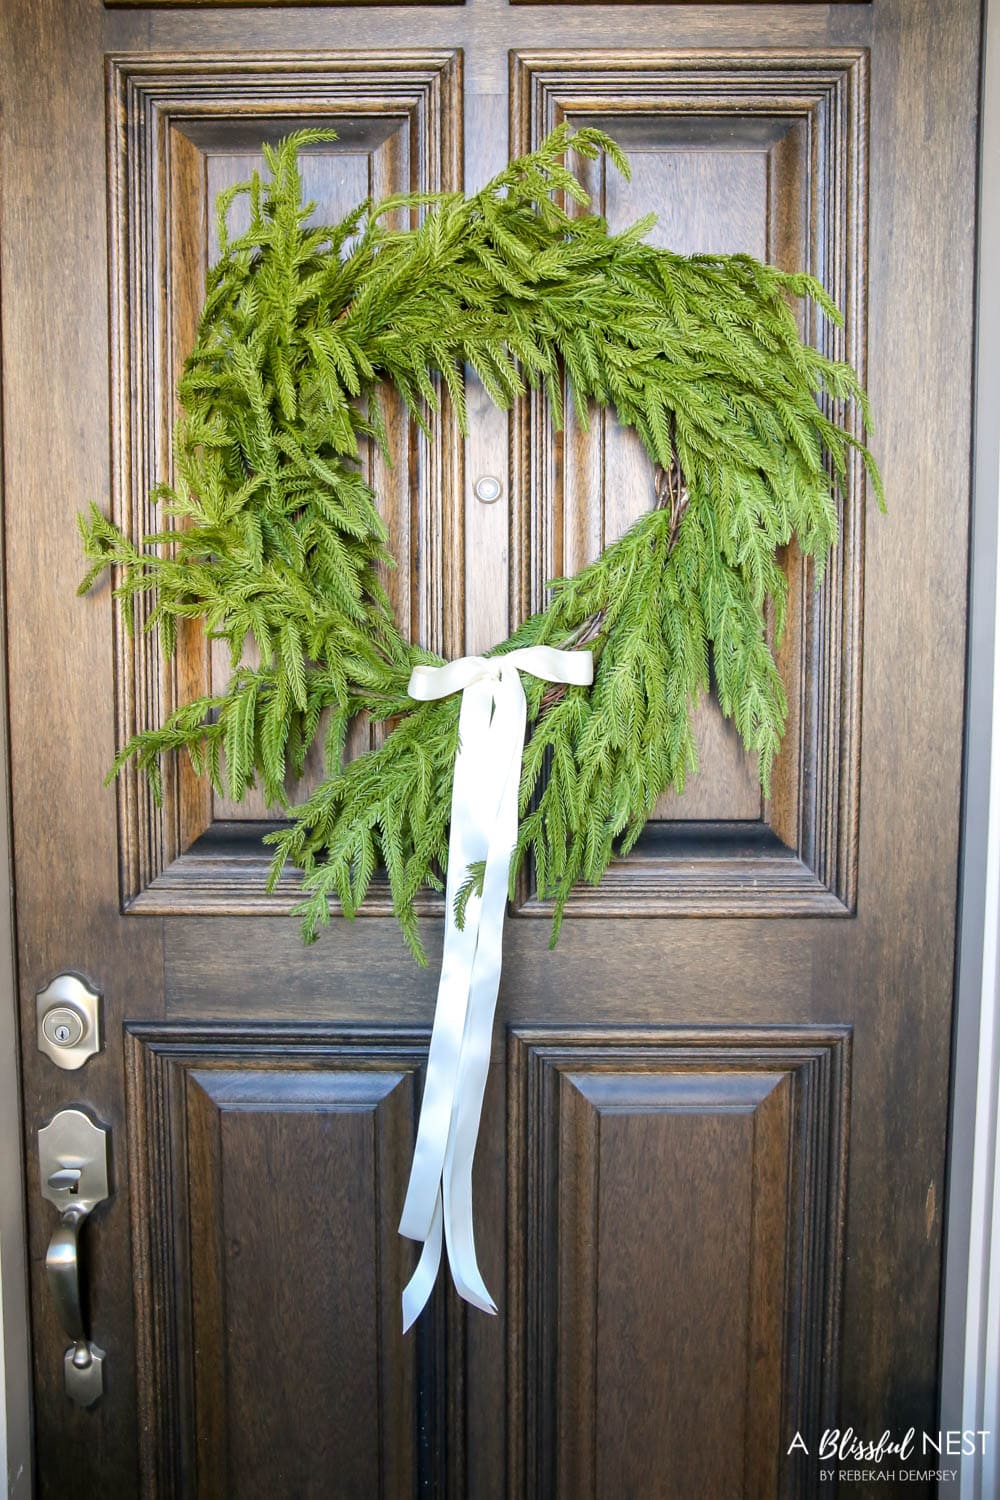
x: 274, y: 536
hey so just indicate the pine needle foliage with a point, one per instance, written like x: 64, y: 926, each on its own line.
x: 273, y: 536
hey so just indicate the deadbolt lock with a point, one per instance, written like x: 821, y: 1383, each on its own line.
x: 69, y: 1026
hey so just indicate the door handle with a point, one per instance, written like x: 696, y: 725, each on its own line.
x: 62, y: 1267
x: 73, y: 1166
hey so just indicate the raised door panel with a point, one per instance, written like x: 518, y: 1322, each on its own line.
x: 182, y: 129
x: 268, y: 1271
x: 742, y: 151
x: 674, y: 1250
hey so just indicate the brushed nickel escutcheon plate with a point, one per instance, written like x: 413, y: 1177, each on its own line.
x: 69, y: 1021
x: 73, y: 1172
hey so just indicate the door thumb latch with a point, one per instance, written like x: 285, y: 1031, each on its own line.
x: 73, y: 1166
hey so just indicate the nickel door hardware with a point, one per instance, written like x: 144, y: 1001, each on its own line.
x: 69, y: 1022
x: 73, y: 1166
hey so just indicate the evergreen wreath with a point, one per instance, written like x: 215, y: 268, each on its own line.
x: 275, y: 537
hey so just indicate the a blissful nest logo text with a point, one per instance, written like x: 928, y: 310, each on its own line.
x: 849, y: 1457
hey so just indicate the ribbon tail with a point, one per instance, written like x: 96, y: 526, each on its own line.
x: 509, y: 724
x: 467, y: 843
x: 421, y: 1283
x: 457, y: 1176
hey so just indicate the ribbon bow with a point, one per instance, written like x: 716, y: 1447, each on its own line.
x: 484, y: 806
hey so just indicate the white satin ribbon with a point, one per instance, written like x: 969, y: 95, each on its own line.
x: 484, y: 801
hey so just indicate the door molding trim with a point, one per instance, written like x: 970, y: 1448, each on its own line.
x: 970, y: 1366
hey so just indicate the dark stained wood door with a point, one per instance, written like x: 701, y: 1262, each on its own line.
x: 710, y: 1178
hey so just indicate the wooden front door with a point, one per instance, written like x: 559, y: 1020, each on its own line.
x: 710, y: 1178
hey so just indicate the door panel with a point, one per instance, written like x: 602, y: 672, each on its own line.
x: 756, y: 1000
x: 268, y: 1267
x: 733, y: 1264
x: 766, y: 153
x: 184, y: 128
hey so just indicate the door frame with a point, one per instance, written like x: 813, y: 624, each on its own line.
x: 970, y: 1362
x: 970, y: 1366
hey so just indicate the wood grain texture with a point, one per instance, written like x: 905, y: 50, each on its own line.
x: 923, y: 131
x: 676, y: 1204
x: 763, y: 152
x: 278, y: 4
x: 53, y: 254
x: 273, y: 4
x: 800, y: 122
x: 179, y: 131
x: 267, y: 1266
x: 595, y: 2
x: 885, y: 971
x: 687, y: 868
